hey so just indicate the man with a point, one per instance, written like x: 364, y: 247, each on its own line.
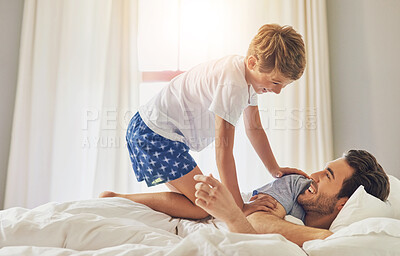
x: 329, y: 191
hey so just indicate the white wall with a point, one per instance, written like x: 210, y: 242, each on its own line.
x: 364, y: 43
x: 10, y: 31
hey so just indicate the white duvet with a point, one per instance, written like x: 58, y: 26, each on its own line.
x: 115, y: 226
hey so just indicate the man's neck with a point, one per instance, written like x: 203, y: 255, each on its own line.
x: 319, y: 221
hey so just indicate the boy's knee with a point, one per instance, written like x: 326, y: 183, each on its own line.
x: 198, y: 213
x: 201, y: 214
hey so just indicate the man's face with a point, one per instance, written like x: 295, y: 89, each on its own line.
x: 321, y: 197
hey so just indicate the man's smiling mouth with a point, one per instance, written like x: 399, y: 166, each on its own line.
x: 312, y: 188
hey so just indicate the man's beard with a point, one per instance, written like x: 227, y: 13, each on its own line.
x: 322, y: 204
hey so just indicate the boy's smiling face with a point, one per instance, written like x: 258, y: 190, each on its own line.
x: 264, y: 82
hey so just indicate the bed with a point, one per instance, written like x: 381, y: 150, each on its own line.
x: 116, y: 226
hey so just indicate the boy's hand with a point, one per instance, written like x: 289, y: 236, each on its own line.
x: 282, y: 171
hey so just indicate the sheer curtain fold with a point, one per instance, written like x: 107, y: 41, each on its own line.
x: 78, y: 68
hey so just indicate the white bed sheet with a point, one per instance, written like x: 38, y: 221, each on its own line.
x: 115, y: 226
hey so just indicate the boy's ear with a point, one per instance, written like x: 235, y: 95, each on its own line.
x: 251, y: 62
x: 342, y: 201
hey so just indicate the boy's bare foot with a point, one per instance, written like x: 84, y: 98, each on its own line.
x: 107, y: 194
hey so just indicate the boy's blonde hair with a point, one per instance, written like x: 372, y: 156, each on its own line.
x: 280, y: 48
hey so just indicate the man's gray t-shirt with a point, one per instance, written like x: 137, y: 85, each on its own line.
x: 286, y: 190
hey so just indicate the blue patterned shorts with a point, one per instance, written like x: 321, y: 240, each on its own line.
x: 156, y: 159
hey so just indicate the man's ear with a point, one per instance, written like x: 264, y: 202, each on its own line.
x: 251, y: 62
x: 342, y: 201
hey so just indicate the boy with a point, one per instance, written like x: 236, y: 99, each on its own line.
x: 203, y: 105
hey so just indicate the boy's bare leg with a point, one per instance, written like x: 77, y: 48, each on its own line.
x: 172, y: 203
x: 172, y: 188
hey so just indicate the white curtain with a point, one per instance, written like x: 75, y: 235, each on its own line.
x: 77, y: 89
x: 298, y: 121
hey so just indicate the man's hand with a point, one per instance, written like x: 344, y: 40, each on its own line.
x: 282, y: 171
x: 215, y: 198
x: 260, y: 203
x: 271, y: 205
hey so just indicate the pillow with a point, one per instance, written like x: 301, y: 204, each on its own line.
x: 360, y: 205
x: 372, y: 236
x: 394, y: 196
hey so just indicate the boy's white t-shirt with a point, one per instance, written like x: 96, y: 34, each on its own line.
x: 185, y: 109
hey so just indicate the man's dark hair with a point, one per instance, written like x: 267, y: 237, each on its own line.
x: 367, y: 172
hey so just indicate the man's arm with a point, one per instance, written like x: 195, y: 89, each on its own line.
x: 265, y: 223
x: 215, y: 198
